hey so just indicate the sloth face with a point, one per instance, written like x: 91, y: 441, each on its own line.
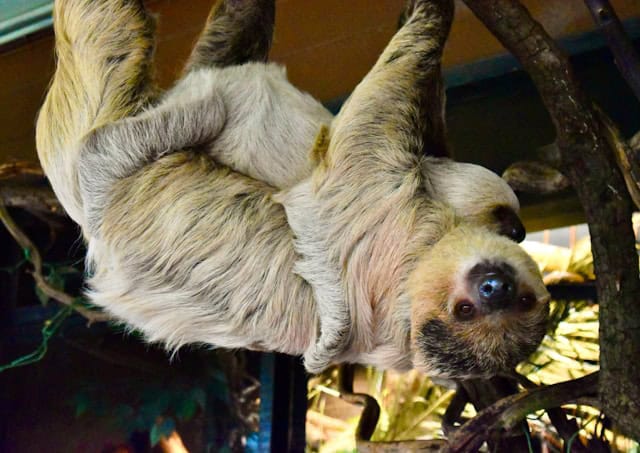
x: 478, y: 305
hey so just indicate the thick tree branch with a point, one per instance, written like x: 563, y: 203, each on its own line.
x: 23, y: 185
x: 509, y: 412
x: 534, y: 177
x: 588, y: 161
x: 33, y: 198
x: 10, y: 170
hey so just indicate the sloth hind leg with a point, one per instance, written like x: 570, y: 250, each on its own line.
x: 102, y: 75
x: 236, y: 32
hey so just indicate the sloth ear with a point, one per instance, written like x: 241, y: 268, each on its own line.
x: 509, y: 223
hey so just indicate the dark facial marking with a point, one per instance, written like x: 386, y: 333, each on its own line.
x: 526, y: 302
x: 450, y: 355
x: 509, y: 223
x: 493, y: 285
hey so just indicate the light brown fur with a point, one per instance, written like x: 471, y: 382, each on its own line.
x: 193, y: 247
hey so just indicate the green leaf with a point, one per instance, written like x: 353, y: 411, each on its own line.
x: 56, y: 279
x: 186, y: 409
x: 163, y: 429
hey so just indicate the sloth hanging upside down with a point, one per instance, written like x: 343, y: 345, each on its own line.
x: 234, y: 211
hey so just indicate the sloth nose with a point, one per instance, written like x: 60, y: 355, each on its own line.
x: 496, y: 290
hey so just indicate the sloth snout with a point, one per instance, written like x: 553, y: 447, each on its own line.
x: 496, y: 290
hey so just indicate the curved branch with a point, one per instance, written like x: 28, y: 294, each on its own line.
x: 33, y: 255
x: 509, y: 411
x: 33, y: 198
x: 619, y: 42
x: 370, y: 407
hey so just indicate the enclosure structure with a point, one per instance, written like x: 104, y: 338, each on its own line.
x: 495, y: 116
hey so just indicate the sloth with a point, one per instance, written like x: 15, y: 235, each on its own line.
x: 207, y: 222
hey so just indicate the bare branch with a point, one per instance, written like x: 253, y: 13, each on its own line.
x: 32, y: 198
x: 626, y: 157
x: 508, y: 412
x: 15, y: 169
x: 625, y: 55
x: 33, y: 254
x: 535, y: 177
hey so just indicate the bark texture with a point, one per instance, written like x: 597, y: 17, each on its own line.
x: 589, y: 163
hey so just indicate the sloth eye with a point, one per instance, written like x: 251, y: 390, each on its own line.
x: 465, y: 310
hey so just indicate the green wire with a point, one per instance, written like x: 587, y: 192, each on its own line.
x: 527, y: 434
x: 51, y: 326
x: 570, y: 441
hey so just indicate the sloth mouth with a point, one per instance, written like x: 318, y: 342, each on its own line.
x: 448, y: 355
x: 445, y: 352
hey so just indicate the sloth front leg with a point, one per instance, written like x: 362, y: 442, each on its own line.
x: 236, y: 32
x: 119, y: 149
x: 351, y: 218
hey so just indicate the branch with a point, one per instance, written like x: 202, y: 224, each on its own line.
x: 534, y: 177
x: 23, y: 185
x: 20, y: 168
x: 626, y: 156
x: 625, y: 55
x: 588, y: 161
x: 33, y: 255
x: 370, y: 407
x: 508, y: 412
x: 35, y: 199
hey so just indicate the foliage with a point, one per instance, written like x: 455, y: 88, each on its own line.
x: 158, y: 405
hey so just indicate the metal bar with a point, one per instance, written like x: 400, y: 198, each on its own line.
x: 283, y: 404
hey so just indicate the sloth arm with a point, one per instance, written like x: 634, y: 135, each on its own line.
x: 387, y: 123
x: 119, y: 149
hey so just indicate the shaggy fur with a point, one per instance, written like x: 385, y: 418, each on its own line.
x: 179, y: 196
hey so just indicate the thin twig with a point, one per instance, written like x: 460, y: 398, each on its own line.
x: 33, y: 255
